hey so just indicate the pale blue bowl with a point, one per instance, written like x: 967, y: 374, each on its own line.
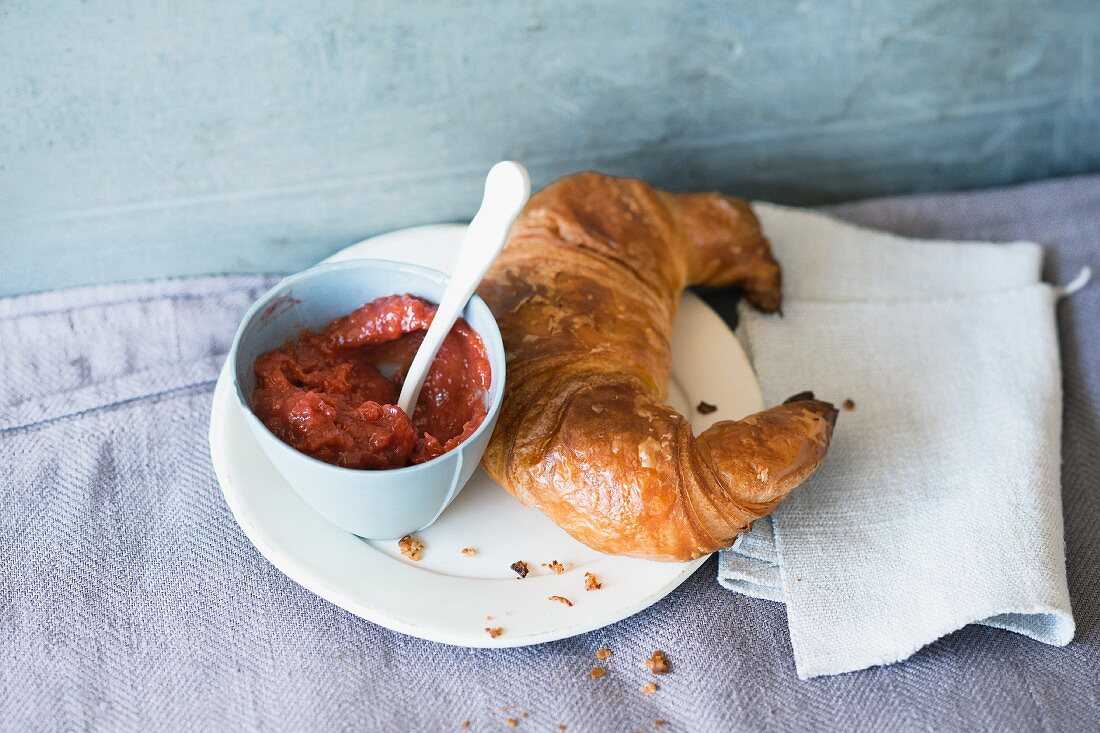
x: 372, y: 504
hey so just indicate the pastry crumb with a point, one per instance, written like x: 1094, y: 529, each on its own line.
x: 658, y: 723
x: 562, y: 600
x: 603, y: 653
x: 494, y: 631
x: 649, y: 688
x: 657, y: 663
x: 563, y: 726
x: 556, y: 567
x: 591, y: 582
x: 519, y: 567
x: 411, y: 548
x: 849, y: 404
x: 597, y: 672
x: 469, y: 551
x: 705, y: 408
x: 511, y: 722
x: 465, y: 725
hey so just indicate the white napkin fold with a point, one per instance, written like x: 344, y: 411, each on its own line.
x: 939, y: 503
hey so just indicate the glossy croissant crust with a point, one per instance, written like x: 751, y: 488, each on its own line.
x: 585, y: 293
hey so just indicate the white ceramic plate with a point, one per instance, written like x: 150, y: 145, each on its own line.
x: 447, y: 597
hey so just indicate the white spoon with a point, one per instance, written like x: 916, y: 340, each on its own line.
x: 506, y: 190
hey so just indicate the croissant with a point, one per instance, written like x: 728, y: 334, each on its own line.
x: 585, y: 293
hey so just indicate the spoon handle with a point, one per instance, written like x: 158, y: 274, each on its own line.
x: 507, y: 188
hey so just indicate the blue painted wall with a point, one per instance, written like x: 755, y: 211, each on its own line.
x: 146, y: 138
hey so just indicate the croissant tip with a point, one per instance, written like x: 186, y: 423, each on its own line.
x: 800, y: 397
x: 827, y: 410
x: 766, y: 302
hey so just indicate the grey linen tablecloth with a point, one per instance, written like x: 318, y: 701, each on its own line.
x: 130, y: 600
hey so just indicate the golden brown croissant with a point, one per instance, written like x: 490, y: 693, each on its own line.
x: 585, y: 292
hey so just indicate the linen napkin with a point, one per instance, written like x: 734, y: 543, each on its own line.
x: 939, y: 503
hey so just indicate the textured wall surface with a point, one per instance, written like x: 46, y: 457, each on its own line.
x: 140, y: 138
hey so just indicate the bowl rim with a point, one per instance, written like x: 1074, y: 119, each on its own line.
x: 494, y: 346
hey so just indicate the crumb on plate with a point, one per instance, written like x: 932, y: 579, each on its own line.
x: 562, y: 600
x: 705, y: 408
x: 469, y: 551
x: 849, y: 404
x: 657, y: 663
x: 556, y: 567
x: 411, y: 548
x: 519, y: 567
x: 494, y: 631
x: 591, y: 582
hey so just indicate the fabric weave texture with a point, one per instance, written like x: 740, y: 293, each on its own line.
x: 130, y: 600
x: 939, y: 503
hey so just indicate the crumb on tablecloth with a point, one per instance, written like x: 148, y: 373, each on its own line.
x: 597, y: 672
x: 465, y: 725
x: 649, y: 688
x: 411, y: 548
x: 657, y: 663
x: 519, y: 567
x: 603, y: 653
x: 591, y: 582
x: 511, y: 722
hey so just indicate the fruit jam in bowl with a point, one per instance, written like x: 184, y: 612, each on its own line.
x: 318, y: 363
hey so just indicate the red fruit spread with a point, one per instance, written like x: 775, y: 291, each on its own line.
x: 331, y: 394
